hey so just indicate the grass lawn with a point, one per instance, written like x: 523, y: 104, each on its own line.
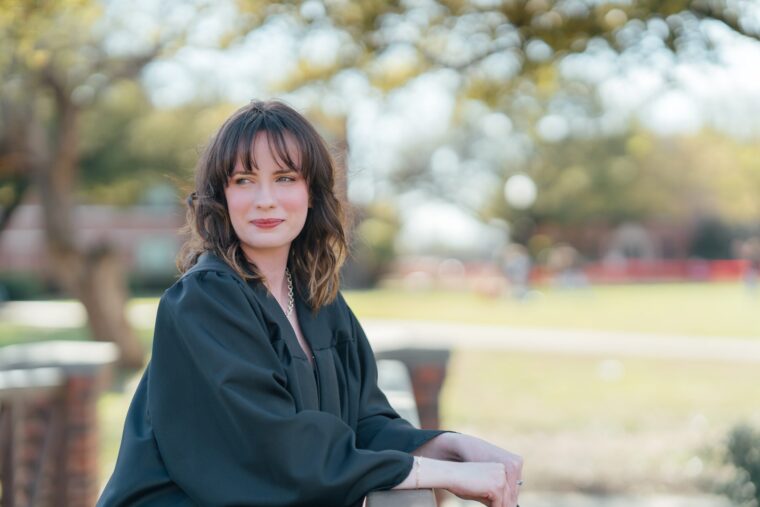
x: 685, y: 309
x: 14, y: 333
x: 600, y: 424
x: 689, y: 309
x: 582, y: 423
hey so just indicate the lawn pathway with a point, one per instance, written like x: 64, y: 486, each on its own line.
x: 386, y: 334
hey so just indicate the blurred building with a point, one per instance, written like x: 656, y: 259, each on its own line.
x: 147, y: 237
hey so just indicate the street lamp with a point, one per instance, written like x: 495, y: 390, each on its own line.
x: 520, y: 191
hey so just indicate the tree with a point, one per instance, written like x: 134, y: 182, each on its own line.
x: 508, y: 58
x: 57, y: 65
x: 498, y: 46
x: 60, y: 60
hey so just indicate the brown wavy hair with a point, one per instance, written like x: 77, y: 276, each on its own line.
x: 320, y: 249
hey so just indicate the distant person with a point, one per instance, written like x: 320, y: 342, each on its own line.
x: 751, y: 253
x: 262, y: 386
x: 516, y: 265
x: 564, y: 262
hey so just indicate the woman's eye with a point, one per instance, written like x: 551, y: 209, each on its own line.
x: 241, y: 181
x: 286, y: 178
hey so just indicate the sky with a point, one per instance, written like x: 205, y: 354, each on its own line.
x: 666, y: 97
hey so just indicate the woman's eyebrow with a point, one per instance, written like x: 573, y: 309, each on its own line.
x: 281, y: 170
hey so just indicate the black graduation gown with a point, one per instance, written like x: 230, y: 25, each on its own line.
x: 230, y: 412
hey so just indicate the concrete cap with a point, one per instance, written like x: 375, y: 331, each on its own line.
x: 18, y: 381
x: 71, y: 356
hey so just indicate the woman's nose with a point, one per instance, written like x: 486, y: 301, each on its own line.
x: 264, y: 196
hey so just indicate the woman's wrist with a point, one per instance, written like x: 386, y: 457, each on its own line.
x: 473, y: 449
x: 433, y: 473
x: 442, y: 447
x: 428, y: 473
x: 455, y: 446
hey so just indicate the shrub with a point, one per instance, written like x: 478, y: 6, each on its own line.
x: 743, y: 453
x: 21, y: 286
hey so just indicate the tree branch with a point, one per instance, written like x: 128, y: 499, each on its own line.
x: 20, y: 184
x: 706, y: 10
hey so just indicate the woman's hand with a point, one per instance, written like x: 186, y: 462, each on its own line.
x: 474, y: 450
x: 473, y: 461
x: 485, y: 483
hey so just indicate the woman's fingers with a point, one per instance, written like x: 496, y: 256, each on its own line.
x: 513, y: 492
x: 514, y: 474
x: 507, y: 496
x: 501, y: 491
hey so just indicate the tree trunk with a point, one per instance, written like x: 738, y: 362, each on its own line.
x: 93, y: 275
x: 12, y: 159
x: 19, y: 185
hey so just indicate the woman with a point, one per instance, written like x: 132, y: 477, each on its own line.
x: 262, y: 387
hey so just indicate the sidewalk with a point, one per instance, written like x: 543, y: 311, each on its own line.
x: 385, y: 334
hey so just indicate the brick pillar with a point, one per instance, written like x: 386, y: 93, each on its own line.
x: 427, y: 369
x: 427, y: 381
x: 57, y: 444
x: 80, y: 461
x: 40, y: 442
x: 30, y: 401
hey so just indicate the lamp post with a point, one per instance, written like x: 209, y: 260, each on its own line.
x: 520, y: 193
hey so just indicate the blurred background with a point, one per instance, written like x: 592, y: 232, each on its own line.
x: 561, y: 195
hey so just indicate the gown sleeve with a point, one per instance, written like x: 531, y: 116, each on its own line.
x: 224, y: 422
x: 379, y: 426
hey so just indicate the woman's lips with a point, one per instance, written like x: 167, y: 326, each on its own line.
x: 267, y: 223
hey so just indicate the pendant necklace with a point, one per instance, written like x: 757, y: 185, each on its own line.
x: 291, y: 299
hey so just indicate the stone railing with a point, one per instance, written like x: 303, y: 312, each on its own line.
x: 396, y: 383
x: 402, y: 498
x: 48, y: 422
x: 48, y: 430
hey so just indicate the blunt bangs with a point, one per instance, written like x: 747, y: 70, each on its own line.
x: 282, y: 131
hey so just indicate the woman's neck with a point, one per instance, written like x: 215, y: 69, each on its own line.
x: 272, y: 268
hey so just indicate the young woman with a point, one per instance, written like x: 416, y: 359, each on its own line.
x: 262, y: 386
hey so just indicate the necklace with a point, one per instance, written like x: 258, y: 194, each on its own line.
x: 291, y: 299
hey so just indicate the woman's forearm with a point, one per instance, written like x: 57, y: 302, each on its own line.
x: 471, y: 481
x: 459, y: 447
x: 429, y: 473
x: 446, y: 447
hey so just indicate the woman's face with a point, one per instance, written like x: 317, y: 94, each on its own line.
x: 267, y: 207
